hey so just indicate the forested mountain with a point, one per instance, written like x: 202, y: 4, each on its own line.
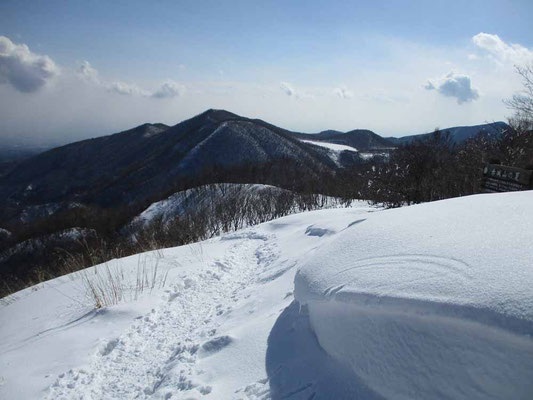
x: 458, y: 134
x: 129, y: 166
x: 215, y: 146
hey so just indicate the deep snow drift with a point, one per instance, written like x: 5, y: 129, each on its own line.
x: 430, y: 301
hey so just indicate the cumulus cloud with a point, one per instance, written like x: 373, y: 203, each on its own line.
x: 454, y: 85
x: 501, y: 51
x: 287, y: 89
x: 21, y: 68
x: 343, y: 92
x: 169, y: 89
x: 88, y: 72
x: 126, y: 89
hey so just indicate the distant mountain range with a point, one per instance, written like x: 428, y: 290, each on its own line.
x: 458, y: 133
x: 131, y: 165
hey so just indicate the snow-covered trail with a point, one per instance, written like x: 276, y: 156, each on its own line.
x: 428, y: 301
x: 156, y: 356
x: 224, y: 326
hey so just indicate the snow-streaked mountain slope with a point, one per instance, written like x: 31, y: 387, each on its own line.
x: 207, y: 199
x: 361, y: 139
x: 135, y: 164
x: 200, y: 197
x: 243, y: 142
x: 430, y: 301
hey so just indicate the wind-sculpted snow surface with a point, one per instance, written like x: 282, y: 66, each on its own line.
x: 430, y: 301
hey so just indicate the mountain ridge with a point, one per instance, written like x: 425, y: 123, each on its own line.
x: 458, y: 133
x: 154, y: 158
x: 129, y: 165
x: 359, y: 138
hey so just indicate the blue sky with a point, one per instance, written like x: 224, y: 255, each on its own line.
x: 396, y: 67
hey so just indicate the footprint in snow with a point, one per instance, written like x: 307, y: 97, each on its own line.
x: 215, y: 345
x: 316, y: 231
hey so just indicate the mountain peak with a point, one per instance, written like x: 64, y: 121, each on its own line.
x: 218, y: 114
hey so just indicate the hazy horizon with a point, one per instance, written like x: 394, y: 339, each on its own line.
x: 70, y: 71
x: 47, y: 143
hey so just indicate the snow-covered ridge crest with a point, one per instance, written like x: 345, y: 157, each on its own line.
x: 430, y: 301
x: 199, y: 197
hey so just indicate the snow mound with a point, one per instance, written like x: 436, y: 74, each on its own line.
x: 430, y: 301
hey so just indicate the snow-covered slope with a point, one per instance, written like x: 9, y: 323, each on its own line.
x: 334, y: 149
x: 244, y: 142
x: 430, y: 301
x: 331, y: 146
x: 221, y: 327
x: 200, y: 197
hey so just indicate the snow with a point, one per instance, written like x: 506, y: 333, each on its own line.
x: 369, y: 156
x: 331, y: 146
x: 248, y: 141
x: 40, y: 243
x: 207, y: 333
x: 334, y: 150
x: 35, y: 212
x: 180, y: 202
x: 430, y: 301
x: 152, y: 130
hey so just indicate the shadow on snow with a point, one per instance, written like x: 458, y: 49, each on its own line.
x: 298, y: 368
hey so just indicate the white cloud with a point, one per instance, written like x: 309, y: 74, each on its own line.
x: 169, y: 89
x: 287, y: 88
x: 454, y: 85
x: 501, y: 51
x: 379, y: 96
x: 90, y: 74
x: 343, y: 92
x: 126, y: 89
x: 290, y: 91
x: 24, y: 70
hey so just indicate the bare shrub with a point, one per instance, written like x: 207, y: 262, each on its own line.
x: 108, y: 284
